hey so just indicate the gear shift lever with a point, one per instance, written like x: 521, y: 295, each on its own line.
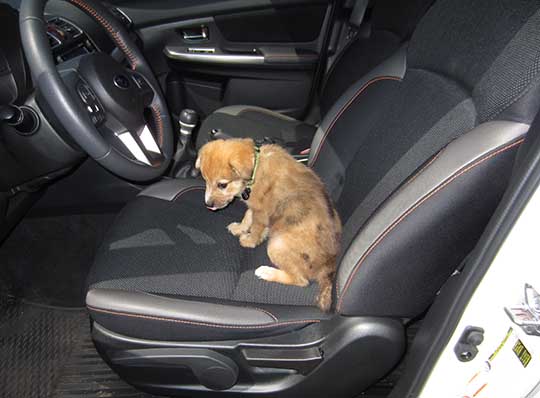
x: 188, y: 122
x: 185, y: 152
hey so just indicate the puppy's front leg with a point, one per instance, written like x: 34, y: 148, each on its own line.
x: 240, y: 228
x: 258, y: 231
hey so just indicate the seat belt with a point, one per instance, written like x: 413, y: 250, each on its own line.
x: 358, y: 13
x: 351, y: 27
x: 347, y: 34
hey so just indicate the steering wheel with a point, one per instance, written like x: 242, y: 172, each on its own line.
x: 116, y: 114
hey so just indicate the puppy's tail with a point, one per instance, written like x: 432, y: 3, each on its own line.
x: 324, y: 299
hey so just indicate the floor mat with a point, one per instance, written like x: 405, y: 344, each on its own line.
x: 47, y: 353
x: 47, y: 259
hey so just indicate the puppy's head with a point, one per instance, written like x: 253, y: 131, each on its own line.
x: 226, y: 166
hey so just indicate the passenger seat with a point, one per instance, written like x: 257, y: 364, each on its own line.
x: 392, y: 23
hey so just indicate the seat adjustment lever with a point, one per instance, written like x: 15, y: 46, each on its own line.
x: 303, y: 360
x: 213, y: 370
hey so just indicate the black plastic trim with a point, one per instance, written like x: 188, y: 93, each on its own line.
x: 346, y: 346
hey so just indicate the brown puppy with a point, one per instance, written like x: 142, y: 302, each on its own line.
x: 286, y: 202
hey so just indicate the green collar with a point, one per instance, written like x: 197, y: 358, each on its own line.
x: 246, y: 192
x: 255, y: 167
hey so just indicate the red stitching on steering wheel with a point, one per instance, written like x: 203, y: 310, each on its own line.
x: 128, y: 53
x: 159, y: 123
x: 115, y: 36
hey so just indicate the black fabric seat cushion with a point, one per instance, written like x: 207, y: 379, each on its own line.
x: 259, y: 124
x: 179, y: 248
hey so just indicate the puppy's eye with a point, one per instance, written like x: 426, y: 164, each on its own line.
x: 222, y: 185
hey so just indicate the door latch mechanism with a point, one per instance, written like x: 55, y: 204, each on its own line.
x: 467, y: 345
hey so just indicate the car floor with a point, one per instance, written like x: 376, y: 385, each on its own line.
x: 46, y: 259
x: 45, y: 344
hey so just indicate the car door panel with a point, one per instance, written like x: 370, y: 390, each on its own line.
x: 252, y: 53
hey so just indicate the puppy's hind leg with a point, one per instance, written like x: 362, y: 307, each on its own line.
x: 284, y: 258
x: 239, y: 228
x: 271, y: 274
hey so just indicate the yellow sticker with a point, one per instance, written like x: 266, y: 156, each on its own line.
x: 522, y: 353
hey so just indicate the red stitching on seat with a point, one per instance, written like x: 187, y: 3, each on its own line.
x: 334, y: 121
x: 212, y: 325
x: 412, y: 209
x: 115, y: 36
x: 433, y: 159
x: 201, y: 188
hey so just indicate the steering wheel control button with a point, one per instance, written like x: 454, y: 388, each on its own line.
x: 121, y: 81
x: 93, y: 108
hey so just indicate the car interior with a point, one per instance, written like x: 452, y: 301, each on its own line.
x: 116, y: 280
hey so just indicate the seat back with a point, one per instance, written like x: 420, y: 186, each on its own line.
x: 392, y: 23
x: 418, y: 153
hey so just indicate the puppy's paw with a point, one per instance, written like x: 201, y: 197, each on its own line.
x: 247, y: 240
x: 265, y: 273
x: 236, y: 228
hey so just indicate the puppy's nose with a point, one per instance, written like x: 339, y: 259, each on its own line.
x: 209, y: 203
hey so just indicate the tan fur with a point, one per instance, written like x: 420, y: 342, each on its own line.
x: 288, y: 204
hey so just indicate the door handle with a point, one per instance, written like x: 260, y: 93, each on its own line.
x: 196, y: 34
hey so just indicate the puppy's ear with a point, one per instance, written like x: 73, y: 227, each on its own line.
x: 198, y: 162
x: 241, y: 164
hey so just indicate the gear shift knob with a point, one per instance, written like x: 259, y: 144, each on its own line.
x: 188, y: 121
x: 184, y: 157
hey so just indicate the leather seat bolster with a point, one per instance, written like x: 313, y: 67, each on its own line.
x: 170, y: 189
x: 416, y: 233
x: 157, y: 317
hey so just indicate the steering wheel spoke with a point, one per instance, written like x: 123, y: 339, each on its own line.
x: 140, y: 145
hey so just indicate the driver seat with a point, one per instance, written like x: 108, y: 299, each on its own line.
x: 416, y: 156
